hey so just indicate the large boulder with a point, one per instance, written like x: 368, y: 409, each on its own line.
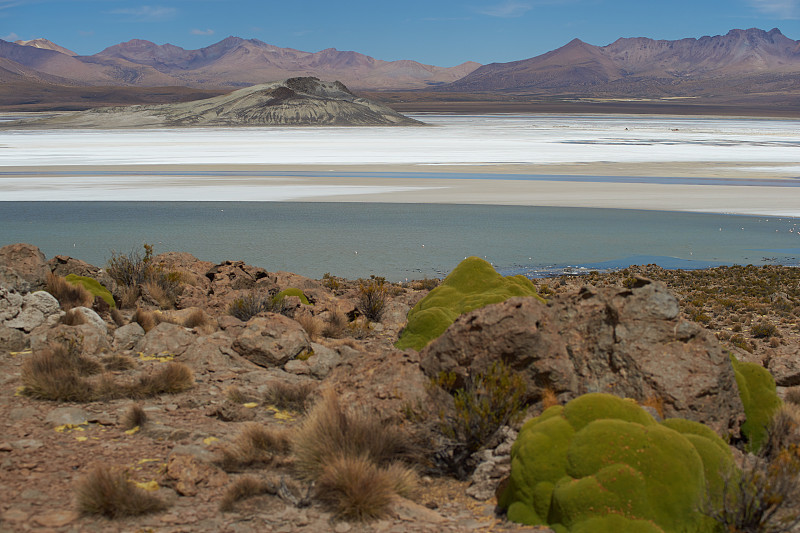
x: 85, y: 338
x: 27, y: 261
x: 12, y: 340
x: 233, y: 279
x: 165, y: 340
x: 272, y: 340
x: 37, y: 308
x: 629, y: 342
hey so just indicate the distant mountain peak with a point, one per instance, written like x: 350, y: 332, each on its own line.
x: 45, y: 44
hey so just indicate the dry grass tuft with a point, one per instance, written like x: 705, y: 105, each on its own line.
x: 195, y: 319
x: 57, y: 373
x: 109, y: 493
x: 793, y: 395
x: 117, y: 317
x: 67, y: 294
x: 73, y: 317
x: 335, y: 325
x: 783, y: 432
x: 118, y: 363
x: 134, y: 417
x: 164, y: 298
x: 170, y: 378
x: 549, y: 398
x: 128, y: 296
x: 243, y: 488
x: 288, y: 395
x: 354, y: 488
x: 405, y: 480
x: 310, y: 324
x: 329, y: 432
x: 256, y: 444
x: 147, y: 319
x: 235, y: 395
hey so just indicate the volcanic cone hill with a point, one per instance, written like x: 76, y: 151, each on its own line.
x: 292, y: 102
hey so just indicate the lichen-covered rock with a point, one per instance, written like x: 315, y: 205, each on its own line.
x: 272, y: 340
x: 473, y: 284
x: 760, y: 399
x: 629, y: 342
x: 37, y: 307
x: 27, y: 261
x: 601, y: 463
x: 10, y: 304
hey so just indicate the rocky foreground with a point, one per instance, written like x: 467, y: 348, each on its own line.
x: 292, y: 102
x: 666, y: 346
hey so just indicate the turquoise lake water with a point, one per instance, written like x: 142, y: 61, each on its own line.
x: 401, y: 241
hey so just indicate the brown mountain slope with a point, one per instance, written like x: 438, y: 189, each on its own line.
x: 740, y: 62
x: 46, y: 45
x: 239, y: 62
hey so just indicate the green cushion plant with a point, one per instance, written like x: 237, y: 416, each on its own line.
x: 601, y: 463
x: 291, y: 291
x: 759, y: 398
x: 473, y: 284
x: 93, y: 286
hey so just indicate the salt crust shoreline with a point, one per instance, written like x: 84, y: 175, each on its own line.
x: 43, y: 183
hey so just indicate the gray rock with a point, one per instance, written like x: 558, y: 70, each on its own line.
x: 86, y: 338
x: 67, y: 415
x: 629, y: 342
x: 272, y: 340
x: 10, y: 304
x: 127, y: 336
x: 166, y: 338
x: 12, y: 340
x: 37, y: 307
x: 214, y: 353
x: 92, y: 318
x: 27, y: 261
x: 13, y: 281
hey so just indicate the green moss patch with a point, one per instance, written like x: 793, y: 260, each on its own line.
x: 93, y: 286
x: 602, y: 463
x: 759, y: 398
x: 291, y: 292
x: 473, y: 284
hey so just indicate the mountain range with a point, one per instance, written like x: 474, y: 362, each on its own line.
x: 230, y: 63
x: 746, y: 65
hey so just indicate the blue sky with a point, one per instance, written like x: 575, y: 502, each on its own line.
x: 439, y: 32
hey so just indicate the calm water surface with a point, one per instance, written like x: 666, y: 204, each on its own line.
x: 400, y: 241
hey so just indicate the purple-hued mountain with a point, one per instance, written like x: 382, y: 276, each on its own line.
x: 747, y: 60
x: 232, y: 62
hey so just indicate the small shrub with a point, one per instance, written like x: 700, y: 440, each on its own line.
x: 740, y: 342
x: 335, y: 325
x: 793, y: 395
x: 372, y: 297
x: 354, y: 488
x: 360, y: 328
x: 134, y: 417
x: 763, y: 330
x: 68, y: 295
x: 760, y: 498
x: 549, y: 398
x: 57, y: 373
x: 108, y: 493
x: 488, y: 401
x: 331, y: 282
x: 128, y: 296
x: 288, y: 395
x: 250, y: 305
x: 426, y: 284
x: 329, y: 432
x: 131, y: 269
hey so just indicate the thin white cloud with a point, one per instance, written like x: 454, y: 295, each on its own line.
x: 10, y: 37
x: 202, y: 32
x: 146, y: 13
x: 507, y: 9
x: 783, y: 9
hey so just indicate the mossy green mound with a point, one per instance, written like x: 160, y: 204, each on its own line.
x: 759, y: 398
x: 473, y: 284
x: 602, y: 463
x: 93, y: 286
x: 291, y: 292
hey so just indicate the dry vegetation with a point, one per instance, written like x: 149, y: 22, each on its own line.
x: 109, y: 493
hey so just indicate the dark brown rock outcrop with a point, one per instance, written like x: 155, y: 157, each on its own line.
x: 628, y: 342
